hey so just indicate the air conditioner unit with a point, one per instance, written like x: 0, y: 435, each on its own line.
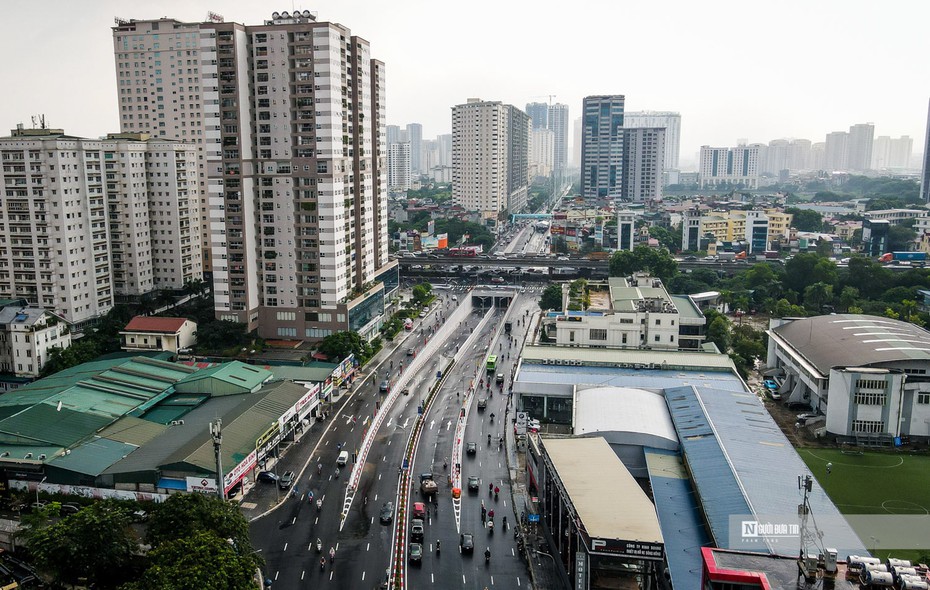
x: 545, y: 361
x: 177, y: 422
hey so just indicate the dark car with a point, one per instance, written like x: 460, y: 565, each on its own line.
x: 471, y: 448
x: 415, y: 553
x: 416, y: 530
x: 410, y: 351
x: 482, y: 403
x: 287, y: 480
x: 467, y: 543
x: 387, y: 513
x: 267, y: 477
x: 473, y: 483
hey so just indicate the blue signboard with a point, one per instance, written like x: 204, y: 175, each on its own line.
x: 532, y: 517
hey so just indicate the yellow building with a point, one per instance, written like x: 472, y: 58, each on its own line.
x: 729, y: 226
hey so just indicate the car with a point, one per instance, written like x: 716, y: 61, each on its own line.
x: 482, y: 403
x: 690, y: 258
x: 387, y: 513
x: 411, y: 351
x: 416, y: 530
x: 471, y: 448
x: 563, y: 258
x: 287, y: 480
x: 770, y: 384
x: 799, y: 405
x: 415, y: 553
x: 419, y: 510
x: 267, y: 477
x: 497, y: 280
x: 405, y: 391
x: 385, y: 386
x: 467, y: 543
x: 70, y: 508
x: 473, y: 483
x: 499, y: 379
x: 422, y: 315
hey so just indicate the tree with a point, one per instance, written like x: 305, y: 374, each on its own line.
x: 900, y: 238
x: 667, y: 239
x: 341, y: 344
x: 719, y: 333
x: 806, y: 219
x: 848, y: 297
x: 786, y: 309
x: 421, y: 293
x: 183, y: 514
x: 97, y: 543
x: 219, y: 335
x: 806, y: 269
x: 201, y: 561
x: 867, y: 276
x: 551, y: 298
x: 659, y: 263
x: 818, y: 295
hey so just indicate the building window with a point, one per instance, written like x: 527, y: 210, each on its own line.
x: 870, y: 384
x: 868, y: 426
x: 870, y: 399
x: 597, y: 334
x: 923, y: 397
x: 657, y: 337
x: 658, y: 322
x: 623, y: 341
x: 571, y: 335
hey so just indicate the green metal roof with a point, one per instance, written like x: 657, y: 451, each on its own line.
x: 44, y: 423
x: 686, y: 307
x: 225, y: 379
x: 132, y: 430
x: 93, y: 457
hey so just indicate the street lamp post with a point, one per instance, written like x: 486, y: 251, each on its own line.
x: 38, y: 485
x: 216, y: 431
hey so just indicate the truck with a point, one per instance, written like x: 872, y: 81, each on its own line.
x: 902, y: 257
x: 726, y: 256
x: 598, y: 256
x: 428, y: 484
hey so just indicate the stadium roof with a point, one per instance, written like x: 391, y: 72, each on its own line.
x: 603, y: 409
x: 852, y: 340
x: 608, y: 501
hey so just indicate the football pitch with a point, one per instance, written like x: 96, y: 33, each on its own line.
x: 874, y: 483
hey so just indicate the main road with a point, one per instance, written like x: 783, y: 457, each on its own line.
x: 364, y: 547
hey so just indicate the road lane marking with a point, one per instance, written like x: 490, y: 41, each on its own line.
x: 302, y: 574
x: 518, y: 581
x: 463, y: 579
x: 492, y: 580
x: 368, y: 546
x: 276, y: 576
x: 285, y: 546
x: 363, y: 576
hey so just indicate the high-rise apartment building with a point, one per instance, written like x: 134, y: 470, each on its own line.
x: 490, y: 158
x: 776, y: 157
x: 445, y: 149
x: 890, y: 153
x: 88, y: 219
x: 818, y: 156
x: 393, y: 135
x: 158, y: 77
x: 643, y: 156
x: 799, y: 154
x: 558, y: 124
x: 602, y: 147
x: 836, y: 151
x: 542, y: 145
x: 297, y: 176
x: 925, y: 168
x: 415, y: 137
x: 859, y: 149
x: 539, y: 113
x: 725, y: 165
x: 577, y: 140
x: 669, y: 121
x: 399, y: 166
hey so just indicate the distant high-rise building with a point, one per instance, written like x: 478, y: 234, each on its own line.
x: 925, y: 169
x: 399, y: 166
x: 445, y: 149
x: 818, y: 156
x: 415, y: 137
x: 739, y: 165
x: 626, y: 229
x: 776, y: 157
x: 558, y: 124
x: 539, y: 113
x: 94, y: 219
x: 836, y: 151
x: 799, y: 154
x: 668, y: 120
x: 393, y: 134
x: 541, y: 153
x: 643, y: 154
x: 890, y: 153
x: 149, y: 76
x: 859, y: 150
x: 576, y: 142
x: 490, y: 145
x: 602, y: 147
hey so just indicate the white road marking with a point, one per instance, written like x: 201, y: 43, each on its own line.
x: 285, y: 546
x: 302, y: 574
x: 368, y: 546
x: 276, y: 576
x: 363, y: 576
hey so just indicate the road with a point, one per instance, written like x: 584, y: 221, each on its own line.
x: 286, y: 537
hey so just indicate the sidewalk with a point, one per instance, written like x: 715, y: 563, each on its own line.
x: 544, y: 573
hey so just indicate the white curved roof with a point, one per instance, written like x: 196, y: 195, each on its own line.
x: 624, y: 409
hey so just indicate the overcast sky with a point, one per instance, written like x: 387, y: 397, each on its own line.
x: 733, y: 69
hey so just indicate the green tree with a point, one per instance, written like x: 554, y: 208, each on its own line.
x: 201, y: 561
x: 806, y: 269
x: 818, y: 295
x: 805, y: 219
x: 667, y: 238
x: 551, y: 298
x: 900, y: 238
x: 421, y: 293
x: 786, y: 309
x: 219, y: 335
x: 97, y: 543
x: 848, y: 297
x: 183, y: 514
x: 659, y: 263
x: 339, y: 345
x: 719, y: 333
x: 867, y: 276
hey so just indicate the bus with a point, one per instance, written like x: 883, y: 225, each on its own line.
x: 491, y: 365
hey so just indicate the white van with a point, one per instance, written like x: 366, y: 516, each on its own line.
x: 342, y: 459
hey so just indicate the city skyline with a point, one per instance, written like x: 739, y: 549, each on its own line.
x: 714, y: 112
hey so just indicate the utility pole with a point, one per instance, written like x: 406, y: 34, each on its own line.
x: 216, y: 431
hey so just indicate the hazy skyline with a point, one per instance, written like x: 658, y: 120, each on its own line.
x: 732, y: 69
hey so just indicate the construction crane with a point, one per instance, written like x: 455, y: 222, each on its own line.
x: 549, y: 96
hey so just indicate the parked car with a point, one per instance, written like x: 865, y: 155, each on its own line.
x: 471, y: 448
x: 415, y: 553
x: 467, y: 543
x: 422, y: 315
x: 387, y: 513
x: 267, y: 477
x: 287, y: 480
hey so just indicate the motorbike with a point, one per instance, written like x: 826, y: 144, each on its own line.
x: 437, y: 547
x: 319, y: 546
x: 322, y: 563
x: 492, y: 418
x: 487, y: 555
x: 319, y: 504
x: 490, y: 527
